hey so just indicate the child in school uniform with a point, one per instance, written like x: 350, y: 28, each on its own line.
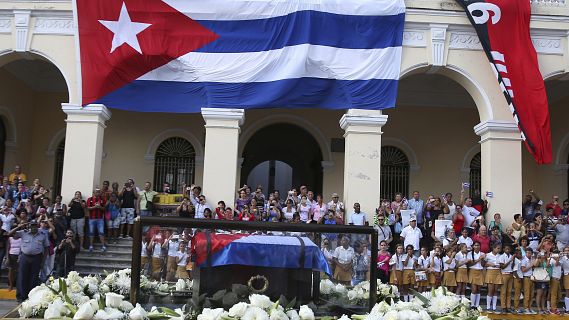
x: 506, y: 261
x: 565, y: 266
x: 435, y: 268
x: 518, y: 278
x: 527, y: 263
x: 396, y: 265
x: 464, y: 238
x: 475, y: 275
x: 449, y: 266
x: 554, y: 283
x: 423, y: 263
x: 462, y: 261
x: 409, y: 262
x: 493, y: 277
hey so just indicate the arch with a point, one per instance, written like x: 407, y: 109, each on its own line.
x: 562, y: 150
x: 171, y: 133
x: 175, y: 163
x: 53, y: 145
x: 463, y: 78
x: 465, y: 164
x: 321, y: 139
x: 8, y: 56
x: 405, y: 148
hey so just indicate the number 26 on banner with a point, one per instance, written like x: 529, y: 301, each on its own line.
x: 483, y: 10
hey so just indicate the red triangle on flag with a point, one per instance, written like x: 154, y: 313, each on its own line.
x: 171, y: 34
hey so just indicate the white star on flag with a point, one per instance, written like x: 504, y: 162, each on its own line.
x: 125, y: 30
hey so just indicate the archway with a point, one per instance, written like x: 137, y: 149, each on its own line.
x: 289, y: 144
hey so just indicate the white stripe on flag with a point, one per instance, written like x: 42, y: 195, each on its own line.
x: 263, y: 9
x: 293, y: 62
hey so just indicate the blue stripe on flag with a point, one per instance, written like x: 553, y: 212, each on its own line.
x: 190, y: 97
x: 314, y: 27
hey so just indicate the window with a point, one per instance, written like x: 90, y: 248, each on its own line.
x: 394, y: 172
x: 475, y: 178
x: 58, y: 170
x: 174, y: 163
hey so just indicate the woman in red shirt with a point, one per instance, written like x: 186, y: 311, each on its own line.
x: 458, y: 220
x: 245, y: 215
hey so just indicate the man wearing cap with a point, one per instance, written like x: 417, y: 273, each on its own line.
x: 411, y: 235
x: 34, y: 249
x: 337, y: 206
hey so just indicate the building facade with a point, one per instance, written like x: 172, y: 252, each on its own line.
x: 451, y: 123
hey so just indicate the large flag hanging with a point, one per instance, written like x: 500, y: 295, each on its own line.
x: 182, y: 55
x: 503, y: 29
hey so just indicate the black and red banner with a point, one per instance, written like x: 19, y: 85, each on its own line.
x: 504, y: 32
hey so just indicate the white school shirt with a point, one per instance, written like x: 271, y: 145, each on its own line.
x: 504, y: 258
x: 397, y: 262
x: 436, y: 263
x: 144, y: 252
x: 157, y: 252
x: 468, y: 241
x: 565, y: 265
x: 423, y: 262
x: 492, y: 258
x: 518, y: 268
x: 183, y: 258
x: 447, y: 266
x: 410, y: 264
x: 524, y: 264
x: 475, y: 256
x: 173, y: 248
x: 556, y: 270
x: 459, y: 257
x: 304, y: 211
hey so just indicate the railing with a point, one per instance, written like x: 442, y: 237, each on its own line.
x: 548, y: 2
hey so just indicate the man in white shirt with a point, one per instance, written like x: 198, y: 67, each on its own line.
x: 383, y: 231
x: 357, y: 217
x: 200, y: 207
x: 411, y: 235
x: 337, y: 205
x: 469, y: 212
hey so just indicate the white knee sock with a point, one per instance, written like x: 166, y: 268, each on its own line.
x: 488, y: 302
x: 567, y: 304
x: 478, y: 299
x: 548, y: 304
x: 473, y: 300
x: 494, y: 301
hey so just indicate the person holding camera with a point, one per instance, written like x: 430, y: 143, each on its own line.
x: 76, y: 214
x: 146, y: 200
x: 186, y: 209
x: 66, y: 251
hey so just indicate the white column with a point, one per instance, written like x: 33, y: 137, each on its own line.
x: 83, y: 148
x: 362, y: 162
x: 222, y: 128
x: 501, y: 152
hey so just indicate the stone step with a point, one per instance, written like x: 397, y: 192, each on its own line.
x: 103, y: 258
x: 109, y: 253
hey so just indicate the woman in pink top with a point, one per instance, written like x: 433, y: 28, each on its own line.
x: 383, y: 257
x: 13, y: 254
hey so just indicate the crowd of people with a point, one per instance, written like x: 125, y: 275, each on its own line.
x: 527, y: 261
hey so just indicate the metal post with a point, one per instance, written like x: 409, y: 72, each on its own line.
x: 136, y: 261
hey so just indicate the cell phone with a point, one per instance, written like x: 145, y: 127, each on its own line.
x: 466, y: 185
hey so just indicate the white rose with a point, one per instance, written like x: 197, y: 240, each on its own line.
x: 126, y: 306
x: 424, y: 315
x: 180, y: 285
x: 305, y: 313
x: 340, y: 288
x: 85, y: 312
x: 25, y: 310
x: 209, y: 314
x: 238, y: 310
x: 104, y: 288
x: 293, y: 315
x: 326, y: 286
x: 261, y: 301
x: 114, y: 313
x: 352, y: 294
x: 55, y: 310
x: 344, y: 317
x: 277, y: 314
x: 113, y: 300
x: 138, y: 313
x: 255, y: 313
x: 101, y: 315
x: 390, y: 315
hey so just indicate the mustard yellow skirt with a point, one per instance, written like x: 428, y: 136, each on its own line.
x: 181, y: 272
x: 566, y: 282
x: 396, y: 277
x: 449, y: 279
x: 493, y: 276
x: 408, y: 276
x: 342, y: 275
x: 462, y: 275
x: 476, y: 277
x: 433, y: 276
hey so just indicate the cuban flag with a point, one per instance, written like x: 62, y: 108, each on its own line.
x: 214, y: 250
x: 184, y: 55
